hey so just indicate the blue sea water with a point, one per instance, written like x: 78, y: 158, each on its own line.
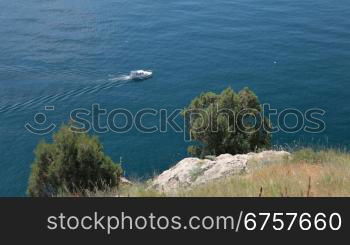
x: 62, y: 53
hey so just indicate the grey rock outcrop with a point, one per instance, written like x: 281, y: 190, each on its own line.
x: 194, y: 171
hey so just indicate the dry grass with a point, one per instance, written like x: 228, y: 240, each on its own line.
x: 308, y: 174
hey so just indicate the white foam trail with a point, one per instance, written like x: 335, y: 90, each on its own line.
x: 112, y: 82
x: 121, y: 78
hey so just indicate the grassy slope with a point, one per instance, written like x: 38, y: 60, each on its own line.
x: 309, y: 173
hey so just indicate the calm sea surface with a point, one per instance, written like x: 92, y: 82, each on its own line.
x: 70, y: 54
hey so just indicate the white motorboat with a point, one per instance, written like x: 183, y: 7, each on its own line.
x: 140, y: 75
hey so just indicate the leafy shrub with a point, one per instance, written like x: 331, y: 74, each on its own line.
x: 229, y: 122
x: 73, y: 162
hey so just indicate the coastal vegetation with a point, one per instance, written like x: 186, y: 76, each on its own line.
x: 228, y: 122
x: 306, y: 173
x: 74, y: 162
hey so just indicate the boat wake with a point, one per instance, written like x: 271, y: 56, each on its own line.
x: 112, y: 82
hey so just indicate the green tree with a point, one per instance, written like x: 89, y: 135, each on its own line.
x: 73, y: 162
x: 228, y: 122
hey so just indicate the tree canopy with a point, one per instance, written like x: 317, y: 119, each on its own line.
x: 228, y: 122
x: 73, y: 162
